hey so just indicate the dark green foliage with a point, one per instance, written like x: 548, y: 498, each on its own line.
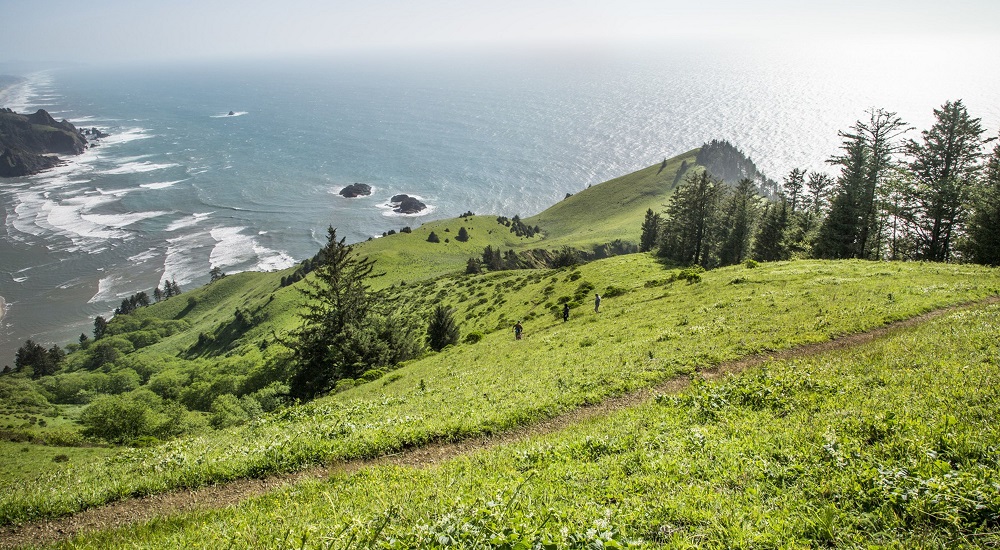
x: 690, y: 224
x: 433, y: 238
x: 793, y: 185
x: 855, y: 225
x: 216, y: 274
x: 473, y: 266
x: 945, y: 165
x: 770, y: 245
x: 346, y: 327
x: 518, y: 227
x: 34, y: 358
x: 442, y: 330
x: 738, y: 221
x: 650, y: 231
x: 984, y: 226
x: 463, y: 235
x: 492, y: 258
x: 566, y: 257
x: 100, y: 326
x: 727, y: 163
x: 132, y: 303
x: 126, y: 418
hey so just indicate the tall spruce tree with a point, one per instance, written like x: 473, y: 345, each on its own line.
x: 944, y: 166
x: 855, y: 225
x: 769, y: 244
x: 984, y: 226
x: 346, y: 327
x: 650, y: 231
x: 738, y: 220
x: 793, y: 185
x: 689, y: 229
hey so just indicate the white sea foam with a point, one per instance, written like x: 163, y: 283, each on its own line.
x: 144, y: 257
x: 186, y: 257
x: 138, y: 168
x: 233, y: 247
x: 161, y: 184
x: 187, y: 221
x: 121, y: 220
x: 113, y: 287
x: 19, y: 279
x: 272, y: 260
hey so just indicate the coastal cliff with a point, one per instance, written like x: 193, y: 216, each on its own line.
x: 30, y: 143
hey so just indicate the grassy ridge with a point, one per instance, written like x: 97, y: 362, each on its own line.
x: 654, y: 328
x: 890, y: 445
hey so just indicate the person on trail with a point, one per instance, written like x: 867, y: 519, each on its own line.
x: 597, y: 303
x: 565, y: 312
x: 518, y: 329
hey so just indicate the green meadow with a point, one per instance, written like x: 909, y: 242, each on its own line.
x: 653, y: 326
x: 891, y: 444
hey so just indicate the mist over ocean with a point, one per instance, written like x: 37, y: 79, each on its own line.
x: 180, y: 186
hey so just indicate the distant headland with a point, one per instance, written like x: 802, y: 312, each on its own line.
x: 30, y: 143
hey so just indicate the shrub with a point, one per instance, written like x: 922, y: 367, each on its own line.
x: 371, y: 374
x: 433, y: 238
x: 473, y: 337
x: 442, y: 330
x: 750, y: 263
x: 344, y: 384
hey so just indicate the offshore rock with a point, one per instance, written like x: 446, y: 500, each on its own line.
x: 405, y: 204
x: 356, y: 190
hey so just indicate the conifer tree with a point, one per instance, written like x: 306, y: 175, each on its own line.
x: 347, y: 328
x: 442, y: 330
x: 945, y: 165
x: 794, y: 182
x: 738, y: 220
x: 984, y: 227
x: 691, y: 216
x: 650, y: 231
x: 463, y: 235
x: 100, y: 326
x: 770, y: 245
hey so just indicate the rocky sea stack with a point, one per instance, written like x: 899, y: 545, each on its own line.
x: 29, y: 143
x: 405, y: 204
x: 356, y: 190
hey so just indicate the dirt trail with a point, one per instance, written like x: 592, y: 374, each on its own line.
x: 136, y: 510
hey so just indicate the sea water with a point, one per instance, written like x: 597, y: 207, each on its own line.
x: 180, y: 186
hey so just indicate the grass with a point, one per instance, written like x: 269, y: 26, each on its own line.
x: 655, y: 328
x: 888, y: 445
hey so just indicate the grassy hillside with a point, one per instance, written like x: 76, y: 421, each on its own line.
x: 652, y: 326
x: 615, y: 208
x: 888, y: 445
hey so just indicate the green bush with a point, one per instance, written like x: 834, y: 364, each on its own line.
x: 372, y: 374
x: 473, y: 337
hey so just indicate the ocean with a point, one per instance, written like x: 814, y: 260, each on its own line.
x: 181, y: 186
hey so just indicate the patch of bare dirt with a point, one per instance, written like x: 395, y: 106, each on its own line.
x: 136, y: 510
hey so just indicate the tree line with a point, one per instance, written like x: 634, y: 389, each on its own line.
x: 934, y: 198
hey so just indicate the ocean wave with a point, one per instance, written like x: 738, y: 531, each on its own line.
x: 121, y: 220
x: 138, y: 168
x: 187, y: 221
x: 186, y: 258
x: 232, y: 248
x: 161, y: 184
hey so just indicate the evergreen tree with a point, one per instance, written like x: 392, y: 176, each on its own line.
x: 473, y: 266
x: 650, y: 231
x: 839, y: 233
x: 42, y: 362
x: 770, y: 244
x: 100, y: 326
x: 691, y: 215
x: 215, y: 274
x: 944, y: 166
x: 463, y: 235
x: 984, y: 226
x: 794, y: 182
x: 492, y: 258
x: 738, y: 220
x: 442, y: 330
x: 818, y: 185
x: 433, y: 238
x: 346, y: 327
x: 157, y: 294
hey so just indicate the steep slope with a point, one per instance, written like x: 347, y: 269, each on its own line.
x: 613, y: 209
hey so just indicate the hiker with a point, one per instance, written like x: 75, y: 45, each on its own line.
x: 518, y: 329
x: 565, y: 312
x: 597, y: 303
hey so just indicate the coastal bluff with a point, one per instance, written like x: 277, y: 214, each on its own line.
x: 29, y: 143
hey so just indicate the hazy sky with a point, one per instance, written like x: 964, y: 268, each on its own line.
x: 148, y: 30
